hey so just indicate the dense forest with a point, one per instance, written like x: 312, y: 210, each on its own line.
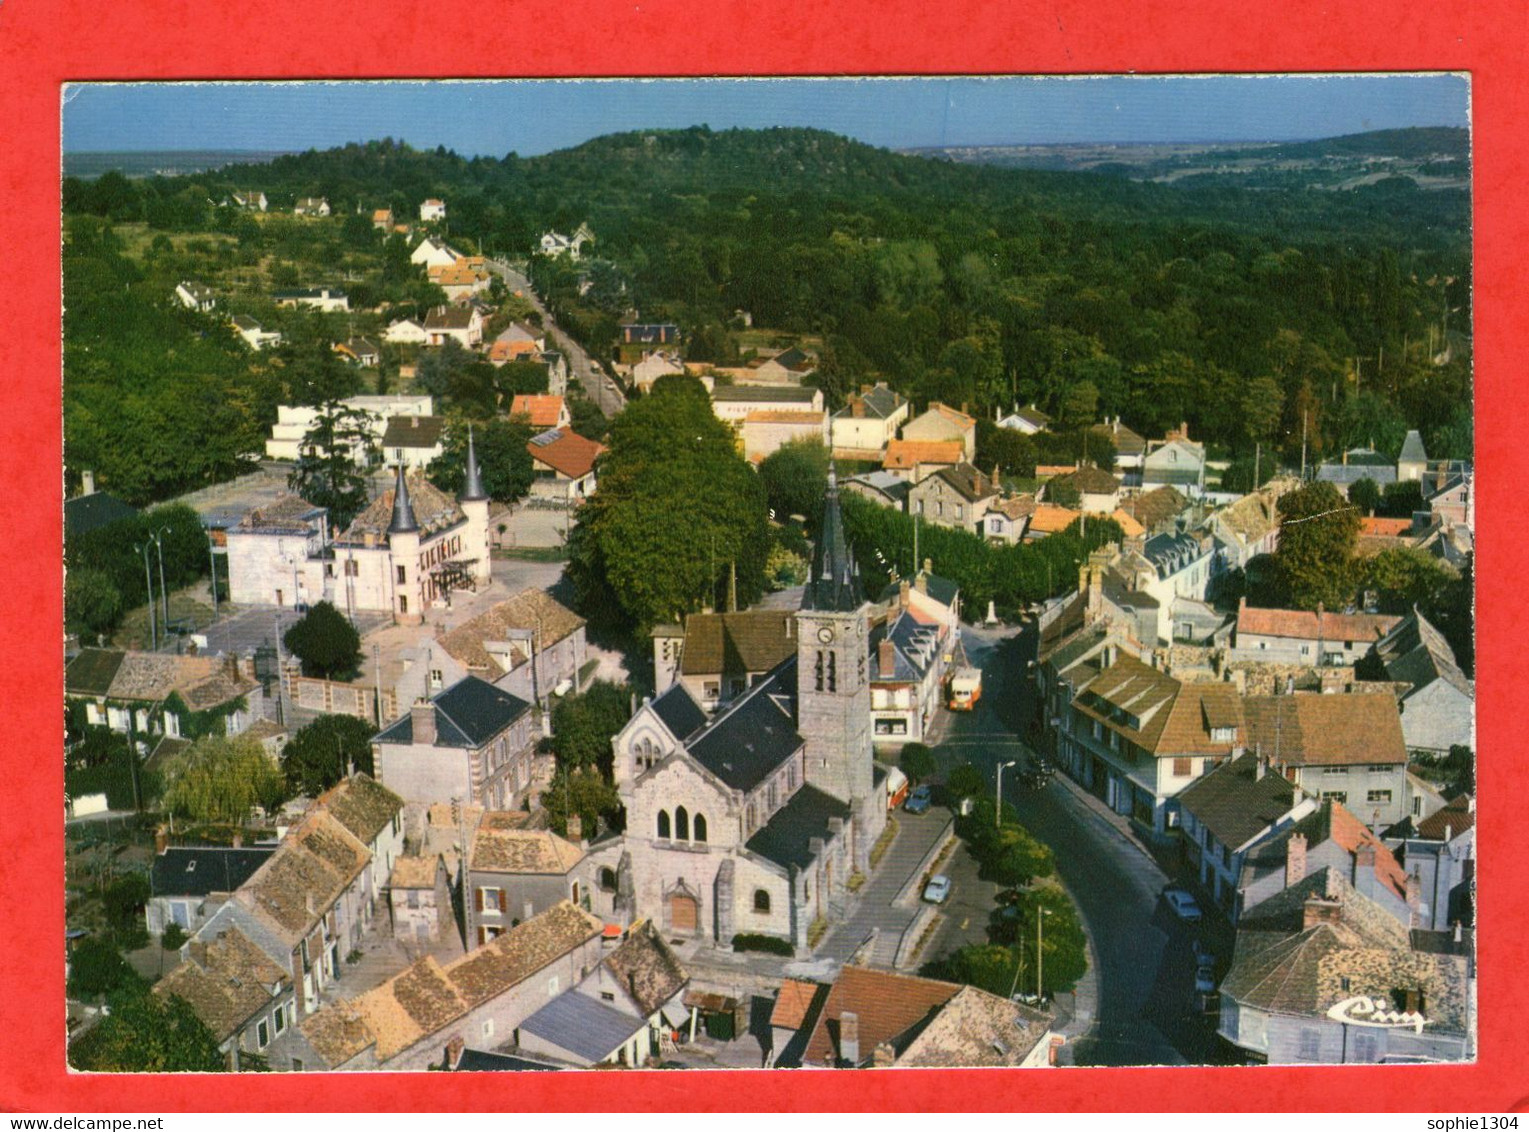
x: 1250, y: 314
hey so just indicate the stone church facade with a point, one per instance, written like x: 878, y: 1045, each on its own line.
x: 755, y: 820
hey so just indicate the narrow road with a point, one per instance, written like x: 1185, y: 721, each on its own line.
x: 597, y: 383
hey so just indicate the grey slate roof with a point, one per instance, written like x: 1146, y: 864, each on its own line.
x: 584, y: 1026
x: 894, y: 487
x: 92, y: 671
x: 1170, y: 553
x: 86, y: 513
x: 786, y: 836
x: 482, y: 1061
x: 879, y: 401
x: 784, y: 394
x: 467, y: 714
x: 680, y: 713
x: 1412, y: 449
x: 834, y: 583
x: 756, y: 733
x: 1235, y: 804
x: 1416, y: 653
x: 199, y: 870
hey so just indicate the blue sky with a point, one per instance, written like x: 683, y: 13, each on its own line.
x: 536, y: 116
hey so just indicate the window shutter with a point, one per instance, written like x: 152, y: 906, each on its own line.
x: 478, y: 899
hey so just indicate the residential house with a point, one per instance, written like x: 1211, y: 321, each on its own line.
x: 557, y: 371
x: 294, y: 422
x: 883, y: 488
x: 253, y: 335
x: 1320, y: 975
x: 141, y: 694
x: 1028, y: 420
x: 1098, y: 492
x: 188, y: 883
x: 406, y: 331
x: 419, y: 895
x: 563, y: 464
x: 1176, y: 461
x: 720, y: 656
x: 541, y: 410
x: 880, y: 1019
x: 327, y: 299
x: 1048, y: 519
x: 473, y: 742
x: 194, y: 296
x: 1248, y: 527
x: 1130, y: 449
x: 764, y: 430
x: 868, y: 421
x: 413, y: 441
x: 1449, y: 498
x: 432, y: 209
x: 649, y: 334
x: 1441, y: 855
x: 928, y: 595
x: 499, y: 644
x: 556, y: 244
x: 92, y: 510
x: 654, y: 366
x: 358, y: 351
x: 421, y: 1018
x: 1229, y: 811
x: 463, y: 323
x: 1168, y: 568
x: 432, y: 253
x: 1357, y: 464
x: 788, y: 367
x: 255, y: 201
x: 941, y: 422
x: 383, y: 218
x: 311, y: 206
x: 907, y: 674
x: 460, y: 279
x: 1301, y: 636
x: 519, y: 340
x: 1006, y: 518
x: 514, y: 873
x: 236, y: 990
x: 956, y: 496
x: 1348, y: 748
x: 912, y: 460
x: 1439, y: 701
x: 733, y: 403
x: 1412, y: 461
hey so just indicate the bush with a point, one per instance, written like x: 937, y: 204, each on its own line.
x: 917, y: 761
x: 773, y: 945
x: 96, y: 968
x: 965, y: 782
x: 173, y: 939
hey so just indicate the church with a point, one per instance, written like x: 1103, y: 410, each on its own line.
x: 406, y: 552
x: 757, y: 819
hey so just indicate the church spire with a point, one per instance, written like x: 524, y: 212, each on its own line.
x: 833, y: 585
x: 403, y: 513
x: 472, y: 489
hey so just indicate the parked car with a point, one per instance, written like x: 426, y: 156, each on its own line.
x: 919, y: 799
x: 1205, y: 979
x: 1203, y: 953
x: 1184, y: 905
x: 937, y: 891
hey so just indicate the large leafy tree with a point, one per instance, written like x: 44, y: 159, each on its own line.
x: 1403, y: 577
x: 332, y: 462
x: 148, y: 1033
x: 582, y: 725
x: 584, y: 792
x: 325, y: 751
x: 1318, y: 530
x: 326, y: 643
x: 96, y: 968
x: 677, y: 505
x: 795, y: 476
x: 503, y: 458
x: 222, y: 779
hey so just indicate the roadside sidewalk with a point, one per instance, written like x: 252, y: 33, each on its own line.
x: 1120, y: 823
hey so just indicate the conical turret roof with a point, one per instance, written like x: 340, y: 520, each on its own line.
x: 472, y: 489
x: 834, y: 584
x: 403, y: 514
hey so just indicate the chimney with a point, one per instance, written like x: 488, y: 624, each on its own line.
x: 1457, y: 932
x: 1260, y: 768
x: 1364, y: 870
x: 1295, y: 859
x: 422, y: 718
x: 1414, y: 892
x: 883, y: 1056
x: 454, y: 1050
x: 575, y: 828
x: 887, y: 658
x: 87, y: 483
x: 161, y: 839
x: 902, y: 594
x: 1318, y: 910
x: 849, y: 1038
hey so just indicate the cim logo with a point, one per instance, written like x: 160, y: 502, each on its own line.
x: 1362, y: 1010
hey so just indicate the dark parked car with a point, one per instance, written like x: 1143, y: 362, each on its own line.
x: 918, y: 800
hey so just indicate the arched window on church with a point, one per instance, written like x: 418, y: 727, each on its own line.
x: 681, y: 825
x: 833, y: 672
x: 817, y: 672
x: 700, y: 827
x: 663, y: 824
x: 761, y: 900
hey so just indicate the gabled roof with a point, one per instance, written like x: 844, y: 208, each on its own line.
x: 971, y: 484
x: 92, y: 671
x: 289, y: 514
x: 1126, y: 440
x: 782, y: 394
x: 1454, y: 819
x: 795, y: 359
x: 879, y: 402
x: 200, y: 870
x: 503, y: 848
x: 1416, y: 653
x: 528, y: 612
x: 975, y: 1030
x: 679, y: 711
x: 362, y: 805
x: 647, y: 969
x: 1090, y: 480
x: 886, y: 1005
x: 787, y: 837
x: 1014, y: 507
x: 1154, y: 508
x: 954, y: 417
x: 1334, y: 822
x: 545, y: 410
x: 792, y: 1003
x: 1161, y: 715
x: 467, y: 714
x: 86, y: 513
x: 565, y: 451
x: 751, y: 640
x: 1050, y: 519
x: 1030, y: 415
x: 907, y: 454
x: 432, y: 508
x: 230, y: 982
x: 450, y: 318
x: 415, y: 872
x: 1312, y: 729
x: 1306, y: 625
x: 413, y: 432
x: 312, y: 866
x: 754, y: 734
x: 584, y: 1026
x: 1236, y: 802
x: 885, y: 483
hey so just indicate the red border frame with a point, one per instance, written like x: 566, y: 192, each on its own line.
x: 45, y: 44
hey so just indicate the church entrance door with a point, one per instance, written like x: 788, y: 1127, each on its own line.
x: 683, y: 913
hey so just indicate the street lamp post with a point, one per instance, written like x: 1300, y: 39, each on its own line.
x: 1040, y: 918
x: 212, y: 563
x: 164, y: 594
x: 148, y: 581
x: 998, y: 798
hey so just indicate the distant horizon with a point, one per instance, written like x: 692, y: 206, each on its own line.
x: 533, y: 117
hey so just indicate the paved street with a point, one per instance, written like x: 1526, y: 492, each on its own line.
x: 601, y: 389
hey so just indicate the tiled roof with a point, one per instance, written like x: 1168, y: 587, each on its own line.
x: 1090, y: 479
x: 1236, y: 803
x: 544, y: 409
x: 906, y: 454
x: 1375, y: 526
x: 1049, y: 519
x: 792, y: 1004
x: 530, y: 611
x: 1455, y: 818
x: 449, y: 318
x: 754, y: 640
x: 1014, y: 507
x: 968, y: 482
x: 1312, y: 729
x: 1416, y: 653
x: 1306, y: 625
x: 786, y: 837
x: 1126, y: 440
x: 522, y: 951
x: 584, y: 1026
x: 232, y: 981
x: 1159, y: 714
x: 886, y: 1005
x: 306, y: 874
x: 415, y: 872
x: 434, y: 511
x: 565, y: 451
x: 647, y: 968
x: 975, y: 1030
x: 413, y: 432
x: 1129, y: 527
x: 521, y: 851
x: 467, y: 714
x: 362, y: 805
x: 754, y: 734
x: 961, y: 420
x: 780, y: 394
x: 198, y: 870
x: 1153, y: 508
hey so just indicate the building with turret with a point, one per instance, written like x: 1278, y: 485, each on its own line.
x: 755, y: 819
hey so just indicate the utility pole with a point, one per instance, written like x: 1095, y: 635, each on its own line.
x: 148, y: 581
x: 212, y: 563
x: 1305, y: 419
x: 377, y: 671
x: 1257, y: 454
x: 164, y: 594
x: 1040, y: 918
x: 281, y: 675
x: 732, y: 586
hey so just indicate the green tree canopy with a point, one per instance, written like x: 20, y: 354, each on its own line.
x: 331, y: 460
x: 1364, y: 493
x: 1318, y: 530
x: 222, y: 779
x: 326, y: 643
x: 965, y: 781
x: 96, y: 968
x: 584, y: 792
x: 503, y: 458
x: 795, y: 477
x: 325, y: 751
x: 582, y: 725
x: 917, y: 761
x: 146, y: 1033
x: 1403, y: 577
